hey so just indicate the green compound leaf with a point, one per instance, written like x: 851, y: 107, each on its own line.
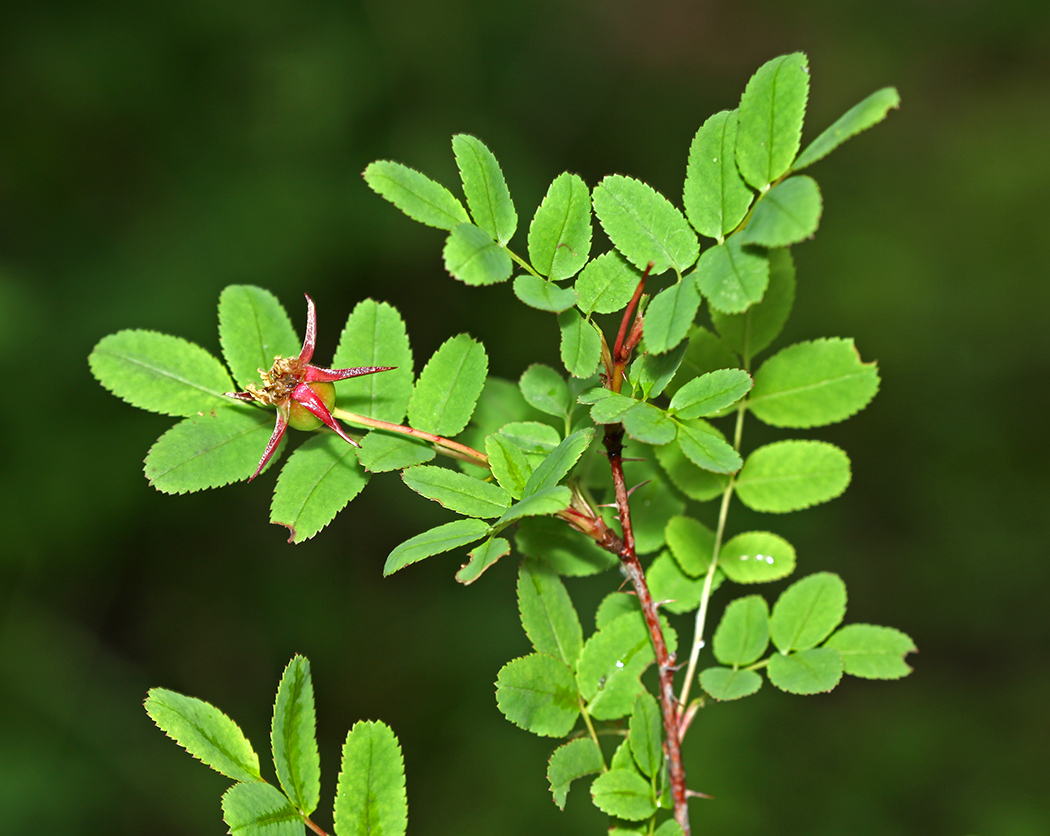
x: 481, y: 558
x: 769, y: 120
x: 752, y: 331
x: 570, y: 761
x: 606, y: 284
x: 485, y: 188
x: 692, y: 543
x: 727, y: 684
x: 540, y: 504
x: 644, y: 225
x: 645, y: 734
x: 415, y: 194
x: 254, y: 328
x: 543, y: 295
x: 788, y: 213
x: 294, y: 737
x: 704, y: 446
x: 375, y: 335
x: 538, y: 693
x: 812, y: 384
x: 872, y: 652
x: 448, y: 387
x: 677, y: 592
x: 624, y: 794
x: 815, y: 671
x: 370, y: 794
x: 732, y: 277
x: 547, y: 613
x: 259, y: 809
x: 668, y: 828
x: 743, y: 633
x: 561, y: 460
x: 710, y: 393
x: 757, y: 557
x: 670, y: 315
x: 791, y: 475
x: 382, y: 452
x: 474, y: 258
x: 860, y: 117
x: 316, y: 483
x: 560, y: 232
x: 443, y: 538
x: 555, y: 543
x: 695, y: 482
x: 807, y: 611
x: 581, y: 344
x: 611, y: 408
x: 209, y: 451
x: 651, y: 373
x: 508, y: 463
x: 649, y: 424
x: 715, y: 195
x: 160, y: 373
x: 546, y: 390
x: 205, y: 732
x: 457, y: 491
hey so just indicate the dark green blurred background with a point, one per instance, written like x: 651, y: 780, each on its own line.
x: 153, y: 153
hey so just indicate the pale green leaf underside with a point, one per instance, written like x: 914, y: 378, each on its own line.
x: 743, y: 633
x: 570, y: 761
x: 757, y: 557
x: 791, y: 475
x: 872, y: 652
x: 415, y: 194
x: 259, y: 809
x: 860, y: 117
x: 545, y: 389
x: 624, y: 794
x: 160, y: 373
x: 752, y: 331
x: 370, y: 795
x: 543, y: 295
x: 808, y: 611
x: 728, y: 684
x: 814, y: 671
x: 481, y: 559
x: 474, y: 258
x: 448, y: 387
x: 732, y: 277
x: 560, y: 232
x: 547, y: 613
x: 715, y: 195
x: 294, y: 736
x: 254, y: 328
x: 457, y: 491
x: 485, y: 188
x: 538, y: 693
x: 443, y: 538
x: 788, y: 213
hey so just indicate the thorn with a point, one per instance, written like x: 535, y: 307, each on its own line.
x: 639, y: 485
x: 695, y: 794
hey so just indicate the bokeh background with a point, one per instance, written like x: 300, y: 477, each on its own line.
x: 153, y: 153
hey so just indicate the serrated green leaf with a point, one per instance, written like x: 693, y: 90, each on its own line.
x: 668, y: 828
x: 695, y: 482
x: 623, y: 794
x: 727, y: 684
x: 259, y: 809
x: 540, y: 504
x: 448, y: 387
x: 645, y: 734
x: 710, y: 393
x: 474, y: 258
x: 543, y: 295
x: 651, y: 372
x: 611, y: 607
x: 254, y: 328
x: 567, y: 553
x: 316, y: 483
x: 814, y: 671
x: 649, y: 424
x: 668, y: 584
x: 872, y: 652
x: 606, y: 284
x: 375, y: 335
x: 769, y: 120
x: 692, y: 543
x: 443, y: 538
x: 382, y: 452
x: 570, y: 761
x: 160, y: 373
x: 860, y: 117
x: 545, y: 390
x: 560, y: 462
x: 210, y: 450
x: 581, y: 344
x: 732, y: 277
x: 457, y: 491
x: 612, y: 408
x: 750, y: 332
x: 205, y: 732
x: 508, y: 464
x: 787, y: 213
x: 415, y: 194
x: 547, y: 613
x: 812, y: 384
x: 757, y: 557
x: 370, y: 794
x: 501, y: 403
x: 560, y: 232
x: 643, y: 225
x: 481, y: 558
x: 485, y: 188
x: 536, y: 439
x: 704, y: 446
x: 670, y: 315
x: 538, y: 693
x: 743, y: 633
x: 808, y: 611
x: 791, y: 475
x: 705, y: 353
x: 293, y: 735
x: 715, y: 195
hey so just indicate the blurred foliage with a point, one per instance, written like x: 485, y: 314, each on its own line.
x: 154, y: 153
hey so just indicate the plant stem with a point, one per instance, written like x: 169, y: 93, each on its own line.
x: 442, y: 445
x: 310, y: 823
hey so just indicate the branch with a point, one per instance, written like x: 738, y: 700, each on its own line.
x: 442, y: 445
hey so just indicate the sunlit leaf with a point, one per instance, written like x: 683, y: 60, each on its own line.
x: 860, y: 117
x: 791, y: 475
x: 543, y: 295
x: 581, y: 344
x: 715, y: 196
x: 443, y: 538
x: 258, y: 809
x: 606, y: 284
x: 474, y: 258
x: 457, y: 491
x: 481, y: 559
x: 728, y: 684
x: 670, y: 315
x: 547, y: 613
x: 294, y: 736
x: 743, y: 633
x: 645, y: 734
x: 538, y: 693
x: 705, y: 447
x: 769, y: 120
x: 872, y: 652
x: 732, y: 277
x: 570, y: 761
x: 560, y: 232
x: 756, y: 557
x: 448, y: 387
x: 254, y: 328
x: 546, y: 390
x: 788, y: 213
x: 692, y: 543
x: 415, y: 194
x: 370, y: 793
x: 485, y: 188
x: 750, y: 332
x: 623, y: 794
x: 814, y: 671
x: 808, y: 611
x: 382, y: 452
x: 710, y: 393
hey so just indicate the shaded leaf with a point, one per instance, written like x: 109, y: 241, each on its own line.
x: 703, y: 445
x: 692, y: 480
x: 294, y: 736
x: 623, y: 794
x: 538, y: 693
x: 543, y: 295
x: 254, y: 328
x: 474, y: 258
x: 807, y: 611
x: 670, y: 315
x: 728, y: 684
x: 769, y: 120
x: 547, y: 613
x: 443, y: 538
x: 560, y: 232
x: 675, y: 590
x: 791, y: 475
x: 807, y: 672
x: 750, y: 332
x: 651, y: 372
x: 415, y: 194
x: 570, y: 761
x: 448, y: 387
x: 732, y: 277
x: 788, y: 213
x: 370, y: 794
x: 860, y: 117
x: 565, y: 550
x: 872, y: 652
x: 485, y: 188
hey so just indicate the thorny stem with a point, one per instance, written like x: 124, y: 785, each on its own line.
x: 442, y: 445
